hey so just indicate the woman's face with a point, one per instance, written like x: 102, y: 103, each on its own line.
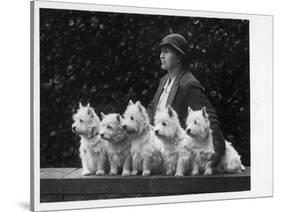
x: 169, y: 58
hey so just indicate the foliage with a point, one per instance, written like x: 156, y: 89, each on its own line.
x: 108, y: 58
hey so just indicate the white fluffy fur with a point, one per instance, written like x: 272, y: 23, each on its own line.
x: 176, y: 149
x: 198, y: 128
x: 145, y: 150
x: 118, y: 144
x: 92, y: 146
x: 231, y: 161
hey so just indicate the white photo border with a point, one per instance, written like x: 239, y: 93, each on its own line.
x: 261, y: 107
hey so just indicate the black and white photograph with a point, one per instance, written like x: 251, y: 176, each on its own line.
x: 140, y: 105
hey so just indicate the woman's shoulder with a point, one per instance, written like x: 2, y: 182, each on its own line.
x: 189, y: 80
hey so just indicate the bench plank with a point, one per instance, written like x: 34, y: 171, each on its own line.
x: 75, y: 183
x: 55, y: 173
x: 71, y: 185
x: 50, y: 179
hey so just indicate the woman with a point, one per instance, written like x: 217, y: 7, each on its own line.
x: 180, y: 89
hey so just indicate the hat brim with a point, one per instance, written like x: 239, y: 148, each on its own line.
x: 173, y: 46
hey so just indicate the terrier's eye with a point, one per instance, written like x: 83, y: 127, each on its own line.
x: 164, y: 124
x: 132, y: 118
x: 80, y: 120
x: 195, y: 122
x: 109, y: 127
x: 122, y: 116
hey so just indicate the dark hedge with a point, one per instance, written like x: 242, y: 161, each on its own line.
x: 108, y: 58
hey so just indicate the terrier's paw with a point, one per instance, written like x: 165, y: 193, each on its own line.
x: 86, y: 172
x: 146, y: 173
x: 113, y: 173
x: 179, y: 174
x: 134, y: 172
x: 194, y: 172
x: 208, y: 172
x: 125, y: 173
x: 100, y: 172
x: 169, y: 172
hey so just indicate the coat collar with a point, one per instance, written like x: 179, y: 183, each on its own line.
x: 160, y: 89
x: 173, y: 90
x: 175, y: 87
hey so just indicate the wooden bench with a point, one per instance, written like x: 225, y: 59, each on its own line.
x: 67, y: 184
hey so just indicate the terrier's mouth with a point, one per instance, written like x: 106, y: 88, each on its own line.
x: 74, y: 131
x: 130, y: 131
x: 160, y: 136
x: 105, y: 138
x: 189, y: 133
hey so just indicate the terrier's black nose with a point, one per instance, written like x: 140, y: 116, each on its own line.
x: 124, y: 127
x: 102, y: 134
x: 188, y: 130
x: 73, y: 128
x: 156, y: 132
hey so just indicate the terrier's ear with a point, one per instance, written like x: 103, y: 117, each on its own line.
x: 204, y: 112
x: 131, y: 102
x: 139, y: 106
x: 102, y: 115
x: 90, y: 111
x: 189, y: 110
x: 80, y: 105
x: 88, y: 105
x: 118, y: 118
x: 170, y: 111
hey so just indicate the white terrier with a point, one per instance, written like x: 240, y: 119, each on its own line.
x: 176, y: 144
x: 119, y: 146
x: 92, y: 147
x: 198, y: 128
x: 145, y: 150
